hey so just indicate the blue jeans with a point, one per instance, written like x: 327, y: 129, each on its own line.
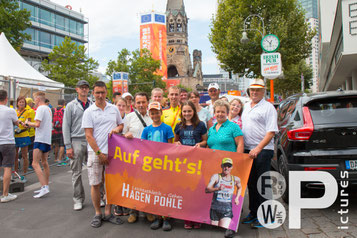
x: 261, y: 164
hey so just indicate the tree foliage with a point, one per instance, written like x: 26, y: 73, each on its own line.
x: 68, y: 63
x: 284, y: 18
x: 291, y: 83
x: 13, y: 22
x: 141, y: 68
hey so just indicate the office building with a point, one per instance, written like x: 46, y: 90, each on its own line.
x: 51, y: 23
x: 312, y: 18
x: 339, y: 52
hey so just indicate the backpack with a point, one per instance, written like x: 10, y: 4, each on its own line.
x: 58, y: 119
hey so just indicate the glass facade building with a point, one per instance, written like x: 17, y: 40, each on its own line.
x: 311, y: 8
x: 312, y: 19
x: 51, y: 23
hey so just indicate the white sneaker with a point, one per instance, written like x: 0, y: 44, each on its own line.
x: 8, y: 198
x: 102, y: 203
x: 42, y: 193
x: 77, y: 206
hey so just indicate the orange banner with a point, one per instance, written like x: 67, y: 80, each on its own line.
x: 153, y: 37
x: 170, y: 180
x: 234, y: 92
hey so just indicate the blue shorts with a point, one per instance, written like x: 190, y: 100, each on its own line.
x: 22, y: 141
x: 42, y: 146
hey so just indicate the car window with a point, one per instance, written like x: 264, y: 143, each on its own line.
x: 334, y: 110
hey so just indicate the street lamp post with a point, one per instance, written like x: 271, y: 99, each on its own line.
x: 245, y: 40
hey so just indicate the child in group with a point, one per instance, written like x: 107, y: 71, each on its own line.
x: 159, y: 132
x: 192, y: 132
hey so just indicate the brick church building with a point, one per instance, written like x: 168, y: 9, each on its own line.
x: 179, y: 64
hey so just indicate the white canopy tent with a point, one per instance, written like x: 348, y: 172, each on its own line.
x: 12, y: 65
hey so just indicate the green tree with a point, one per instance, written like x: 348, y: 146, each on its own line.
x: 13, y: 22
x: 68, y: 63
x: 284, y: 18
x: 291, y: 83
x: 141, y: 68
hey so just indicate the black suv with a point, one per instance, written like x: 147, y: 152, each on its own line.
x: 317, y: 132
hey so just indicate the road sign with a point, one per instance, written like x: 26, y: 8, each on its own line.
x: 270, y: 65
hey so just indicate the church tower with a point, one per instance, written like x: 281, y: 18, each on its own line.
x: 178, y: 56
x: 179, y: 64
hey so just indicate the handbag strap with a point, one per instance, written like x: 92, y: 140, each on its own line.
x: 21, y: 113
x: 140, y: 118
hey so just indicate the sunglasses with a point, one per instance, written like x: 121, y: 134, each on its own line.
x: 227, y: 165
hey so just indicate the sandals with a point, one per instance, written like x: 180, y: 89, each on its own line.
x: 96, y: 221
x: 112, y: 219
x: 196, y: 225
x: 118, y: 211
x: 188, y: 225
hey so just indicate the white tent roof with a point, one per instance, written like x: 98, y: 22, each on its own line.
x: 13, y: 65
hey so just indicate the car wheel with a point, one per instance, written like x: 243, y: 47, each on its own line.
x: 283, y: 170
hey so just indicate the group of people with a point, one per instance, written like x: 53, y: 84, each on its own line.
x: 85, y: 127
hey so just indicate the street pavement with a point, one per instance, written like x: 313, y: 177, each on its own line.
x: 53, y: 216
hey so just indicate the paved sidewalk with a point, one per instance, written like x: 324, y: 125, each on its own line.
x: 53, y: 216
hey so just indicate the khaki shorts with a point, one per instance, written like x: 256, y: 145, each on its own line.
x: 95, y: 170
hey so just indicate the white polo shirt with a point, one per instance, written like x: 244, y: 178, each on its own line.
x: 102, y: 122
x: 133, y: 124
x: 257, y: 121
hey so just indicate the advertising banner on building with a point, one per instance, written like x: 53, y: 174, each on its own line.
x: 153, y: 37
x: 177, y: 181
x: 120, y: 82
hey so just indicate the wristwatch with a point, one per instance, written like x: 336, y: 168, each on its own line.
x: 98, y: 152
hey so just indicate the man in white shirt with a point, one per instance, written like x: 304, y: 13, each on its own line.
x: 8, y: 118
x: 213, y: 92
x: 42, y: 144
x: 99, y: 120
x: 135, y: 122
x: 259, y: 121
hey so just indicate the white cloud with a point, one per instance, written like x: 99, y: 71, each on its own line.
x: 210, y: 65
x: 110, y: 19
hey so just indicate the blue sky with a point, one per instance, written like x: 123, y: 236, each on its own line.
x: 114, y: 25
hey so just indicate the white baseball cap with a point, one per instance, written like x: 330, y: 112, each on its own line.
x: 213, y: 85
x: 126, y: 95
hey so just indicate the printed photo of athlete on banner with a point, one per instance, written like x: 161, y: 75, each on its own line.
x: 183, y: 182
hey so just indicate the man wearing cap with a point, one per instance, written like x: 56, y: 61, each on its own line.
x: 259, y: 121
x: 213, y: 92
x: 222, y: 185
x: 134, y: 124
x: 75, y: 140
x: 171, y: 116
